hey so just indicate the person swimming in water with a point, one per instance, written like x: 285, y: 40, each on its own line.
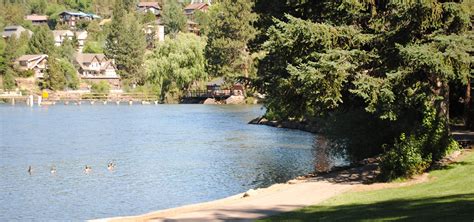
x: 30, y: 170
x: 53, y: 170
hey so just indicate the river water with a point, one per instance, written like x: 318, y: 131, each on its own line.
x: 166, y: 156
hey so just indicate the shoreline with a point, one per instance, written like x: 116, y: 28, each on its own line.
x: 278, y: 198
x: 288, y: 124
x: 285, y: 197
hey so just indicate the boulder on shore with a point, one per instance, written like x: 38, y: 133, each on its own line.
x: 210, y: 101
x: 249, y: 193
x: 235, y: 100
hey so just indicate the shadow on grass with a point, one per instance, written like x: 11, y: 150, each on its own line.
x: 444, y: 208
x: 452, y: 165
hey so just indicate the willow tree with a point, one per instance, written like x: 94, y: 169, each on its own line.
x: 176, y: 64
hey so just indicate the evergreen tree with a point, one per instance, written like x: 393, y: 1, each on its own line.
x: 393, y: 64
x: 54, y: 77
x: 42, y: 42
x: 230, y: 30
x: 173, y: 17
x: 126, y: 44
x: 113, y: 41
x: 9, y: 79
x: 67, y: 50
x: 3, y: 60
x: 131, y: 58
x: 70, y: 74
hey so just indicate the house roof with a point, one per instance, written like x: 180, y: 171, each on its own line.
x: 89, y: 57
x: 15, y: 29
x: 81, y: 14
x: 29, y: 58
x: 35, y: 17
x: 81, y: 35
x: 195, y: 6
x: 216, y: 82
x: 83, y: 58
x: 149, y: 4
x: 62, y: 33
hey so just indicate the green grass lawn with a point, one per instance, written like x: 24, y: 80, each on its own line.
x: 448, y: 196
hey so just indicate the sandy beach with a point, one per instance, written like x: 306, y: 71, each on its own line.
x: 254, y: 204
x: 279, y: 198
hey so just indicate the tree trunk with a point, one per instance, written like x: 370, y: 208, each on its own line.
x: 467, y: 106
x: 441, y: 103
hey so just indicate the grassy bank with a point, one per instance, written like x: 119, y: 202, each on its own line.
x: 448, y: 196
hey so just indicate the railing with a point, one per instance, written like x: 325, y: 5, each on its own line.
x: 207, y: 93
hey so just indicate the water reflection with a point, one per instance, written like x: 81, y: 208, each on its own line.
x: 327, y: 155
x: 166, y: 156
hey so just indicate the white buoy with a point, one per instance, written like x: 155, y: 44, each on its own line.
x: 39, y: 100
x: 105, y: 102
x: 31, y: 100
x: 117, y: 102
x: 130, y: 102
x: 92, y: 102
x: 66, y: 103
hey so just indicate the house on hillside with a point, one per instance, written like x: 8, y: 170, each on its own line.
x: 61, y: 35
x: 152, y: 7
x: 96, y: 67
x: 193, y: 27
x: 15, y: 30
x: 37, y: 19
x: 37, y: 63
x: 71, y: 18
x: 192, y: 8
x: 81, y: 37
x: 154, y: 31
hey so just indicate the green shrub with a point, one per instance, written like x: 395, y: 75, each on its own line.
x: 9, y: 80
x: 405, y: 159
x: 102, y: 87
x: 26, y: 73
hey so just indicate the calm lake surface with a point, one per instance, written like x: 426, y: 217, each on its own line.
x: 166, y: 156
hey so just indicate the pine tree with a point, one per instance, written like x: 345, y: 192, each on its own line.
x: 126, y: 44
x: 230, y: 30
x: 113, y: 40
x: 54, y: 78
x: 42, y: 42
x: 173, y: 17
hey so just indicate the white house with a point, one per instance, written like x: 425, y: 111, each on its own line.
x: 15, y: 30
x: 152, y: 7
x: 96, y: 68
x: 37, y: 63
x: 60, y: 35
x: 81, y: 38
